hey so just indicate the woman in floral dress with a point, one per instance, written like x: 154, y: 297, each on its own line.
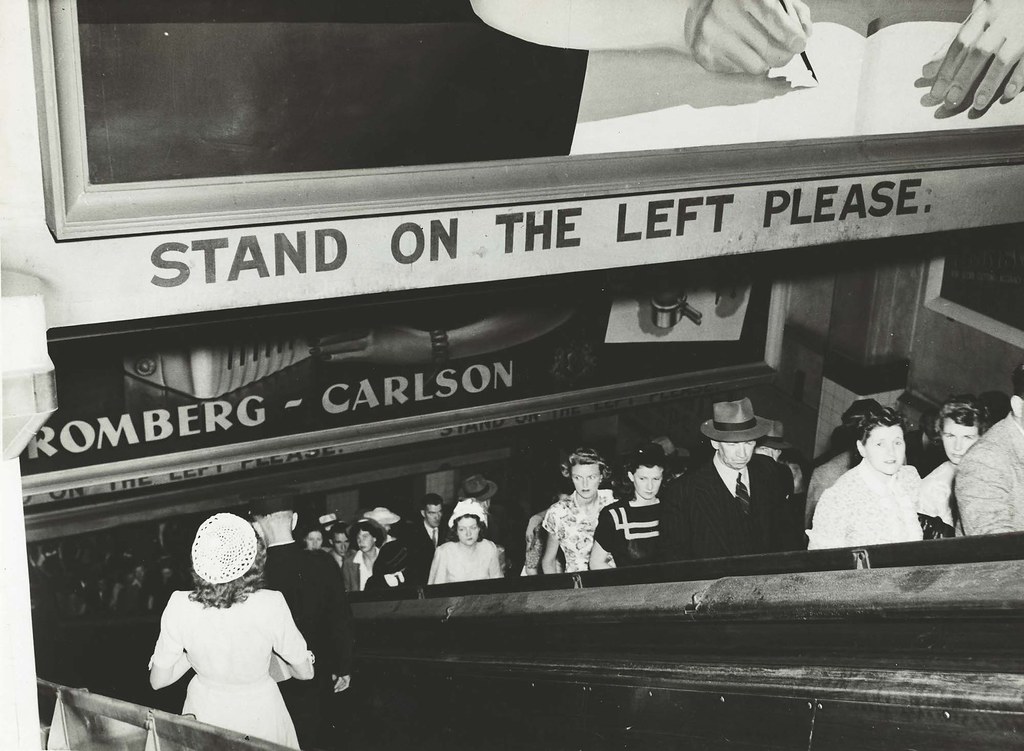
x: 572, y: 519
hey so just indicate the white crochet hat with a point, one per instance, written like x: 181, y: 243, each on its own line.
x: 224, y: 548
x: 468, y: 506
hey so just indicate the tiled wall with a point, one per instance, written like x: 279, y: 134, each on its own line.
x: 834, y: 401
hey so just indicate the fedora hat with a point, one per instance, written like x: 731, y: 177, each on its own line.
x: 479, y: 487
x: 774, y: 438
x: 734, y: 422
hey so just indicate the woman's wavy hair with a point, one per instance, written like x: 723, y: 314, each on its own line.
x: 584, y: 456
x: 366, y: 525
x: 877, y: 418
x: 963, y: 409
x: 237, y: 590
x: 453, y: 531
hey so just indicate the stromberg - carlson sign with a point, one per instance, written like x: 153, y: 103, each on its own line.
x: 436, y: 366
x: 217, y: 416
x: 354, y: 445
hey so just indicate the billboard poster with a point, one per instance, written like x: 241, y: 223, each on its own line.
x: 325, y: 86
x: 346, y: 365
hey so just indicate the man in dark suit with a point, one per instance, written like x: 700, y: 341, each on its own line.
x: 313, y: 587
x: 422, y: 537
x: 733, y: 505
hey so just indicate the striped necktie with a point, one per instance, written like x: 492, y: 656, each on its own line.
x: 742, y: 494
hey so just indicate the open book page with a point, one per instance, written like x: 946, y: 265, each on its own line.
x: 656, y: 99
x: 893, y: 97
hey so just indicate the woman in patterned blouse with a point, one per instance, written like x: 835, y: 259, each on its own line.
x: 876, y: 501
x: 572, y: 519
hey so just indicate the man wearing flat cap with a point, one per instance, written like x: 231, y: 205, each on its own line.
x: 314, y: 589
x: 734, y: 505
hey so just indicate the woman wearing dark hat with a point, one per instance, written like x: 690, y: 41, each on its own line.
x: 627, y: 530
x: 228, y: 628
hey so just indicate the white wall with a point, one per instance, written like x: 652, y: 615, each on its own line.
x: 19, y: 713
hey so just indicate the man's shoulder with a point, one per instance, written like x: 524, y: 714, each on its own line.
x: 695, y: 484
x: 990, y: 449
x: 699, y: 479
x: 282, y: 558
x: 321, y: 563
x: 762, y: 463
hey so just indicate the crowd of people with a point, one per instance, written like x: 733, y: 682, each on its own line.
x: 126, y: 571
x: 267, y: 626
x: 753, y: 493
x: 263, y: 618
x: 380, y: 549
x: 880, y: 483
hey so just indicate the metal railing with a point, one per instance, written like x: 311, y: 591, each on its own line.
x: 84, y: 721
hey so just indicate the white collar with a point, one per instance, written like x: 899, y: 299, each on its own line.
x: 873, y: 481
x: 728, y: 474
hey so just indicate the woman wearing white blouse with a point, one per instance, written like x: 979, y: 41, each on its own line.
x: 470, y: 556
x: 876, y: 501
x: 369, y: 537
x: 230, y: 631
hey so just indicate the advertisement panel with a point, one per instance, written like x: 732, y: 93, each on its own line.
x: 398, y: 83
x: 440, y: 365
x: 350, y: 109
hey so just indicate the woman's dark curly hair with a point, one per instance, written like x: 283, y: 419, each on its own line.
x: 963, y: 409
x: 367, y: 525
x: 647, y: 455
x: 885, y: 417
x: 237, y: 590
x: 584, y: 456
